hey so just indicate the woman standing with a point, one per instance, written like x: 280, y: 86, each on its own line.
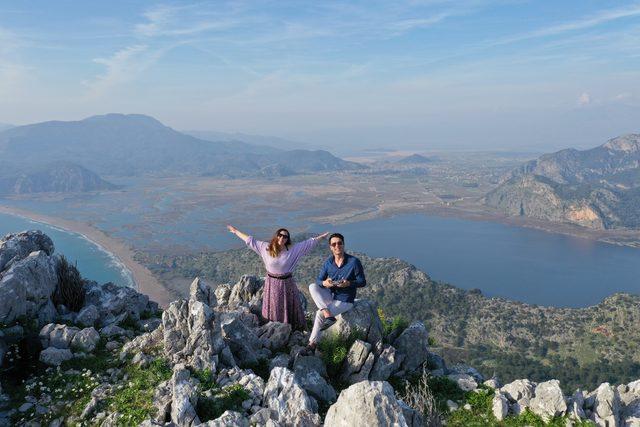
x: 280, y: 300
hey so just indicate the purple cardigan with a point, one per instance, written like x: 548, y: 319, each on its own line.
x: 287, y: 260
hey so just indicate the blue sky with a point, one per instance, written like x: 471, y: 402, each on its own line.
x: 431, y: 74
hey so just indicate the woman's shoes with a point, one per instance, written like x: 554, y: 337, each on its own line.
x: 327, y: 322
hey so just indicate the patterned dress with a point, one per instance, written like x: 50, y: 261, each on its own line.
x: 281, y: 297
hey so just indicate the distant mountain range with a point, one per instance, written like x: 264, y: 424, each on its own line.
x: 414, y: 159
x: 130, y: 145
x: 57, y: 177
x: 597, y: 188
x: 269, y: 141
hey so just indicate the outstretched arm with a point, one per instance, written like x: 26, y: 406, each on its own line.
x: 303, y: 248
x: 237, y: 232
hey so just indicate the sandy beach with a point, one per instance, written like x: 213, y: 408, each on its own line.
x: 145, y: 280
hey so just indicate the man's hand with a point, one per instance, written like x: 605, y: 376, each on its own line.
x: 328, y: 283
x: 344, y: 284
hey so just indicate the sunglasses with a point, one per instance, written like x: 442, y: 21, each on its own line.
x: 336, y: 244
x: 283, y: 235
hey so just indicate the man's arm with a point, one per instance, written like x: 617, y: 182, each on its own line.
x: 322, y: 275
x: 360, y: 281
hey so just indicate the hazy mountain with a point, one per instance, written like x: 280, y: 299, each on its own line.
x: 414, y: 159
x: 5, y: 126
x: 58, y: 177
x: 597, y: 188
x: 118, y: 144
x: 269, y: 141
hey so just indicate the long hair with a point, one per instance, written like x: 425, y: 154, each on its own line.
x: 273, y: 248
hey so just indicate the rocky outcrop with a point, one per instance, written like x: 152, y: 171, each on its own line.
x: 284, y: 396
x: 361, y: 320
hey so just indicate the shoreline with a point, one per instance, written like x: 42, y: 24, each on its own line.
x: 145, y: 281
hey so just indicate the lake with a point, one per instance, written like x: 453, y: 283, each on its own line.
x: 93, y: 262
x: 517, y: 263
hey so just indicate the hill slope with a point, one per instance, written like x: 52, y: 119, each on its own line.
x: 597, y: 188
x: 125, y: 145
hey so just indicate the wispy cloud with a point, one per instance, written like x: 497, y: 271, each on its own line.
x: 123, y: 66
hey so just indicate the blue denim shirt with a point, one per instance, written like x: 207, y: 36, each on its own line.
x: 351, y: 270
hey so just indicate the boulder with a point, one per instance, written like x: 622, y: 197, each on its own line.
x: 200, y: 291
x: 191, y: 336
x: 242, y: 341
x: 362, y: 319
x: 310, y: 372
x: 520, y: 392
x: 367, y: 403
x: 53, y: 356
x: 113, y: 300
x: 574, y: 406
x: 606, y: 406
x: 228, y: 418
x: 548, y: 401
x: 500, y: 406
x: 15, y: 247
x: 274, y: 335
x: 288, y: 400
x: 464, y: 381
x: 387, y: 363
x: 59, y: 336
x: 461, y: 368
x: 222, y: 293
x: 26, y: 288
x: 311, y: 362
x: 112, y: 331
x: 184, y: 398
x: 355, y: 360
x: 88, y: 316
x: 85, y: 340
x: 282, y: 360
x: 247, y: 292
x: 413, y: 343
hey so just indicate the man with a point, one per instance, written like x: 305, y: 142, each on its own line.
x: 335, y: 288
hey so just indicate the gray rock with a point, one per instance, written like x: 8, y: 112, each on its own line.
x: 253, y: 384
x: 15, y: 247
x: 311, y: 380
x: 26, y: 288
x: 184, y: 398
x: 88, y: 316
x: 228, y: 418
x: 606, y: 407
x: 413, y: 343
x: 411, y: 416
x: 361, y: 319
x: 191, y: 336
x: 386, y: 364
x: 114, y: 301
x: 3, y: 350
x: 464, y: 381
x: 281, y: 360
x: 519, y: 391
x: 247, y: 292
x: 367, y: 403
x: 500, y: 406
x: 242, y: 341
x: 311, y: 362
x: 222, y: 293
x: 149, y: 325
x: 85, y: 340
x: 144, y: 343
x: 59, y: 336
x: 468, y: 370
x: 112, y: 331
x: 260, y: 417
x: 493, y: 383
x: 274, y: 335
x: 53, y: 356
x: 286, y: 398
x: 25, y: 407
x: 548, y: 401
x: 201, y: 291
x: 355, y: 360
x: 575, y: 404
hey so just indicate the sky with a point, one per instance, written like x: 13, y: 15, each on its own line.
x: 420, y: 74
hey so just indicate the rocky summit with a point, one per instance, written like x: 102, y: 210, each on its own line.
x: 75, y: 352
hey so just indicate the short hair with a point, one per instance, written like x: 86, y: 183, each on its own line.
x: 338, y: 235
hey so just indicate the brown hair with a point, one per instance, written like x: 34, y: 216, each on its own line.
x: 273, y: 248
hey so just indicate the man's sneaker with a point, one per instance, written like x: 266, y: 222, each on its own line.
x: 327, y: 323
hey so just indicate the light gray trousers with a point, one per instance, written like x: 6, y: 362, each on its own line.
x: 324, y: 299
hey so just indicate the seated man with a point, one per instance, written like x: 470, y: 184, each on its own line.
x: 335, y: 288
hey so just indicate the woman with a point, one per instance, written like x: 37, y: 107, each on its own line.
x: 280, y: 300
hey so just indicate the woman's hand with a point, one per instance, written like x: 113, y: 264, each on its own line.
x: 322, y: 236
x: 237, y: 232
x: 232, y: 229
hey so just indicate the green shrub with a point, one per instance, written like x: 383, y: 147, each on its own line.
x: 229, y: 398
x: 334, y: 349
x: 206, y: 379
x: 70, y: 290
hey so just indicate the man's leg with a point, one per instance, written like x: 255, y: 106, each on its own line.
x: 320, y: 295
x: 334, y: 307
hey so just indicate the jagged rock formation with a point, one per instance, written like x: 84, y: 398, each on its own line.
x: 597, y: 188
x: 209, y: 348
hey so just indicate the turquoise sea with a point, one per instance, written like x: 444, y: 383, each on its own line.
x: 94, y: 262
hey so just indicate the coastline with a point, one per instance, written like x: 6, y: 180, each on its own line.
x: 146, y: 282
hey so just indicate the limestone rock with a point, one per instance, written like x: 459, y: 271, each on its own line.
x: 59, y: 336
x: 548, y: 401
x: 574, y: 406
x: 461, y: 368
x: 222, y: 293
x: 361, y: 319
x: 201, y: 291
x: 85, y: 340
x: 242, y: 341
x: 367, y: 403
x: 53, y: 356
x: 309, y: 374
x: 185, y: 398
x: 16, y: 247
x: 88, y: 316
x: 311, y: 362
x: 247, y: 292
x: 520, y: 392
x: 228, y: 418
x: 386, y: 364
x: 286, y: 398
x: 356, y: 358
x: 500, y: 406
x: 413, y: 343
x: 606, y: 407
x: 464, y: 381
x: 114, y: 300
x: 274, y: 335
